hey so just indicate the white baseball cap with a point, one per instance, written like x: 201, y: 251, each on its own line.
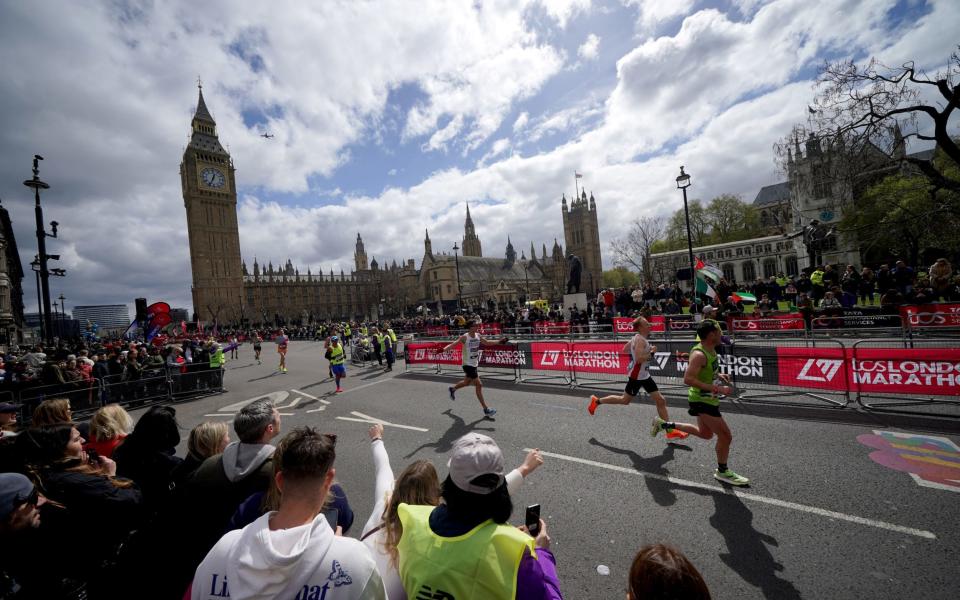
x: 708, y: 309
x: 474, y: 455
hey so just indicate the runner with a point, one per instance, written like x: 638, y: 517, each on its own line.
x: 257, y: 346
x: 282, y: 341
x: 638, y: 376
x: 471, y: 342
x: 335, y: 354
x: 704, y: 404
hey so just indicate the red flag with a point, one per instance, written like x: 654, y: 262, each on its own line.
x: 700, y: 264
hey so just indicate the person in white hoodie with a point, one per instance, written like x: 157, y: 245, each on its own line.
x: 418, y: 483
x: 292, y: 553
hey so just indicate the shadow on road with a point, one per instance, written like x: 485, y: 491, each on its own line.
x: 457, y: 429
x: 273, y: 374
x: 662, y: 491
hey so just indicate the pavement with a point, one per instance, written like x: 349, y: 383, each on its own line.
x: 820, y: 519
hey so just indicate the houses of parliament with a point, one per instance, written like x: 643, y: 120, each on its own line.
x: 225, y: 290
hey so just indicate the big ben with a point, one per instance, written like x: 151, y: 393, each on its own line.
x: 210, y: 198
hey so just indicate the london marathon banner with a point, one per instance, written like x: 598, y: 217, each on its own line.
x: 768, y: 323
x: 932, y: 315
x: 888, y: 370
x: 625, y: 324
x: 431, y: 353
x: 437, y: 330
x: 505, y: 355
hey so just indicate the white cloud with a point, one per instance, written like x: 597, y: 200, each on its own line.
x: 392, y: 172
x: 590, y: 48
x: 496, y: 149
x: 655, y: 12
x: 564, y: 10
x: 521, y: 121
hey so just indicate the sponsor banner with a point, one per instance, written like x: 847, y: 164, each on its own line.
x: 625, y: 324
x: 437, y: 330
x: 769, y: 323
x: 857, y: 318
x: 680, y: 323
x: 490, y: 329
x: 551, y: 328
x: 932, y: 315
x: 505, y: 355
x: 582, y: 357
x: 429, y: 353
x: 548, y: 356
x: 886, y: 370
x: 744, y: 364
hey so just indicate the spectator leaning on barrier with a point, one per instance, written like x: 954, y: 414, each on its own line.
x: 464, y: 547
x: 293, y: 551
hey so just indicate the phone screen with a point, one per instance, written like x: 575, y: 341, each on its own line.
x: 532, y: 520
x: 332, y: 515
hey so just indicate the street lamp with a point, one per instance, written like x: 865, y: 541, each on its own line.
x: 456, y: 259
x: 35, y: 267
x: 63, y: 314
x: 683, y: 182
x: 42, y: 255
x: 526, y: 280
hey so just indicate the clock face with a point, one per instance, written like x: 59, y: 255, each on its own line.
x: 212, y: 177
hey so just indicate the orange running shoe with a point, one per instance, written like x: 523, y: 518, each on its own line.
x: 593, y: 405
x: 676, y: 434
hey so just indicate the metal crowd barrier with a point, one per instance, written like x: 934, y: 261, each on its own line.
x: 923, y: 372
x: 788, y: 371
x: 84, y: 396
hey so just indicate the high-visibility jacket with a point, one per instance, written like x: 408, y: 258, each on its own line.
x: 336, y: 355
x: 479, y: 565
x: 346, y: 331
x: 217, y: 359
x: 816, y: 278
x: 393, y: 336
x: 380, y: 344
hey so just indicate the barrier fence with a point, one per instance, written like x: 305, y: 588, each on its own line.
x: 86, y: 397
x: 798, y: 372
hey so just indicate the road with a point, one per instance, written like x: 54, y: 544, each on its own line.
x: 820, y: 519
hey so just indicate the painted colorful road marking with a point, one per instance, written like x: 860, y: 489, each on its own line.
x: 930, y: 460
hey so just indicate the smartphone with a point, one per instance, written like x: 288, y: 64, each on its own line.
x: 532, y: 520
x: 93, y: 457
x: 332, y: 515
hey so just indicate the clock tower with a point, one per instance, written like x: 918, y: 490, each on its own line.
x: 210, y: 198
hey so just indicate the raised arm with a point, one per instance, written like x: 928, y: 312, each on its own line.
x: 454, y: 343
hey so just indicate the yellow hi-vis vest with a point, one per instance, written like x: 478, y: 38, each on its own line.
x: 393, y: 336
x: 816, y: 278
x: 364, y: 331
x: 481, y: 564
x: 346, y: 330
x: 379, y: 338
x: 336, y: 355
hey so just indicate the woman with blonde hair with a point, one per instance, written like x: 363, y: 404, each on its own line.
x: 54, y: 411
x: 108, y: 427
x: 417, y: 484
x: 206, y: 439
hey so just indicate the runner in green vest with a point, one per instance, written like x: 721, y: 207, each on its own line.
x: 336, y: 354
x: 703, y: 394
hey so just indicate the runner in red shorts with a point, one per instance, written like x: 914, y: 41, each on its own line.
x: 640, y: 351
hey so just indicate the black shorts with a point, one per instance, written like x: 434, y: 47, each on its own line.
x: 634, y: 385
x: 471, y: 372
x: 257, y: 347
x: 702, y: 408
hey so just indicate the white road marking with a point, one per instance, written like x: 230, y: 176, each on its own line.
x: 310, y: 396
x: 293, y: 404
x: 362, y: 418
x: 557, y: 406
x: 317, y: 409
x: 748, y: 496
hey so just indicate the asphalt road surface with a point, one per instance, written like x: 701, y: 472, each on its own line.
x: 820, y: 519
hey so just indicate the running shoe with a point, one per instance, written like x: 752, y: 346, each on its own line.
x: 339, y: 391
x: 676, y: 434
x: 593, y: 405
x: 489, y: 412
x: 730, y: 477
x: 452, y: 392
x: 656, y: 426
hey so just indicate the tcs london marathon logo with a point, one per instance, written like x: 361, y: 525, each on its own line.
x: 822, y: 370
x: 931, y: 461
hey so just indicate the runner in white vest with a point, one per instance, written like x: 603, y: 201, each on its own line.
x: 472, y: 341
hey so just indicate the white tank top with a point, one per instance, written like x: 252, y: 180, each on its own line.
x: 471, y: 351
x: 636, y: 370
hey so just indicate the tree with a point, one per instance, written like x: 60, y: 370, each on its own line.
x: 861, y: 105
x: 699, y: 227
x: 634, y: 250
x: 620, y: 277
x: 731, y: 219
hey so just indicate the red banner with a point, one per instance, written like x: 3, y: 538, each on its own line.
x: 490, y: 328
x: 931, y: 315
x: 887, y: 370
x: 551, y: 327
x: 437, y: 330
x: 585, y: 357
x: 625, y: 324
x: 429, y: 353
x: 768, y: 323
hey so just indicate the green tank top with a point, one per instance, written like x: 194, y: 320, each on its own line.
x: 705, y: 375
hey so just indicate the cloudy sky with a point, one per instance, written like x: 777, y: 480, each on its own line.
x: 389, y: 116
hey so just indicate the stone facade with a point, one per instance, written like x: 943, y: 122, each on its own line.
x: 11, y: 285
x: 582, y: 234
x: 741, y: 262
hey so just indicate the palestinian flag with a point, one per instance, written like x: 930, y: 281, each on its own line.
x: 743, y: 297
x: 704, y: 288
x: 709, y: 272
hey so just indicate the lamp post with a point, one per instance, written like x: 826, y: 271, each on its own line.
x: 35, y: 267
x: 526, y: 280
x: 456, y: 260
x: 683, y: 182
x: 38, y: 185
x: 63, y: 314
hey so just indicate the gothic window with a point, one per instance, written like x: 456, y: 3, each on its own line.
x: 759, y: 249
x: 766, y: 248
x: 792, y: 267
x: 769, y: 268
x: 728, y: 271
x: 748, y: 270
x: 739, y: 251
x: 747, y: 250
x: 728, y: 253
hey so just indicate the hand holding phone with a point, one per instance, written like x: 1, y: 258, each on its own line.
x: 532, y: 519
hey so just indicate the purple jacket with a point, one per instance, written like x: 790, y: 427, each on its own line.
x: 537, y: 579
